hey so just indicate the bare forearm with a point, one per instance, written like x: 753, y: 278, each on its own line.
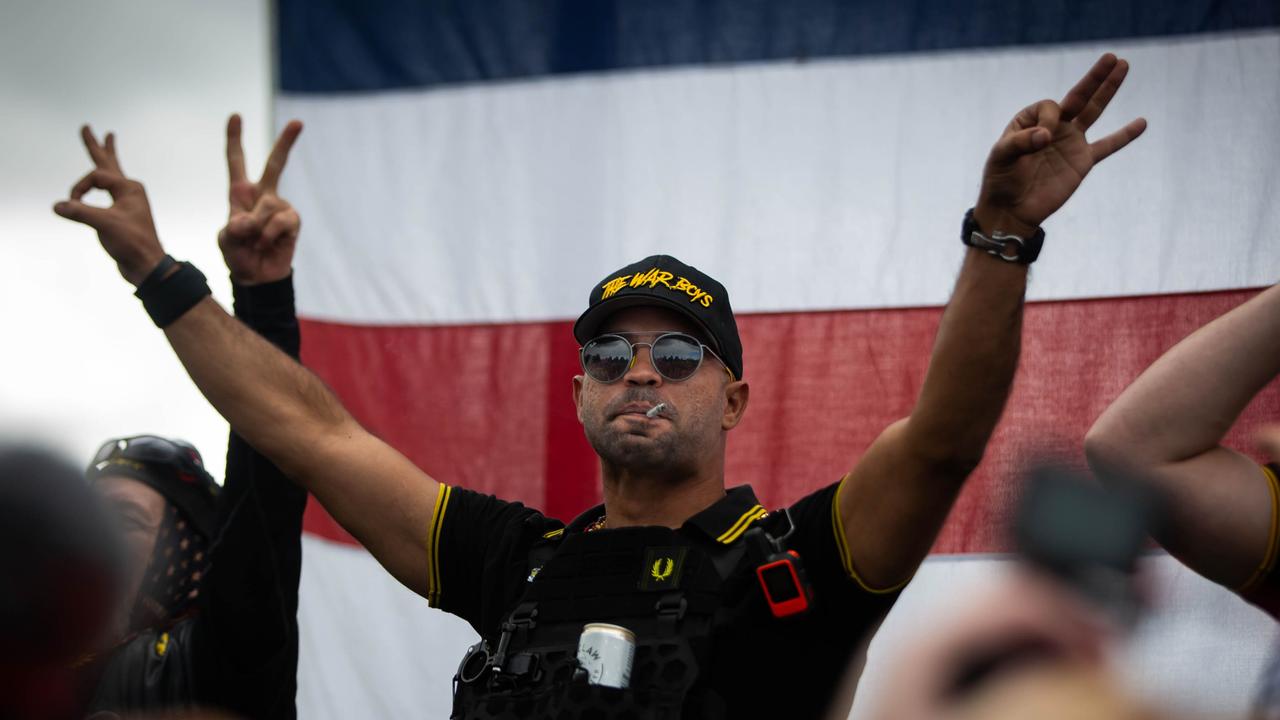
x: 289, y: 416
x: 1185, y: 403
x: 898, y: 495
x: 974, y: 359
x: 274, y: 403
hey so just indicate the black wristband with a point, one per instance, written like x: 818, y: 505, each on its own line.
x: 157, y: 273
x: 1025, y: 250
x: 267, y: 299
x: 167, y: 298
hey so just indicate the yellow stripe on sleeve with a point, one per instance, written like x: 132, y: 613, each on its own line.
x: 1269, y: 557
x: 433, y: 545
x: 740, y: 526
x: 842, y: 545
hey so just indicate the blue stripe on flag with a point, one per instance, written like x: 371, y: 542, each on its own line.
x: 355, y: 45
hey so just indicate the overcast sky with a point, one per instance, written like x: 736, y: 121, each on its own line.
x: 79, y: 360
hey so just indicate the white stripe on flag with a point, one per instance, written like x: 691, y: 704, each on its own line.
x: 801, y: 186
x: 369, y: 647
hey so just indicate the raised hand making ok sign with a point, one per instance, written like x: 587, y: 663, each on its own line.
x: 262, y: 228
x: 1042, y: 156
x: 257, y: 242
x: 125, y: 229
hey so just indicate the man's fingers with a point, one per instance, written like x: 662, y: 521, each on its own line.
x: 1027, y: 117
x: 235, y: 150
x: 1015, y: 145
x: 244, y: 226
x: 1098, y: 103
x: 112, y: 157
x: 96, y: 152
x: 109, y: 180
x: 1104, y: 148
x: 249, y: 225
x: 94, y: 217
x: 1037, y: 123
x: 279, y: 156
x: 282, y: 225
x: 1078, y: 97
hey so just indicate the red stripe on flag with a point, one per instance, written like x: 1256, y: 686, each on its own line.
x: 572, y: 470
x: 489, y: 407
x: 465, y: 403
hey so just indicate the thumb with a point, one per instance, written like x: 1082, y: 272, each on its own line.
x: 242, y: 226
x: 1023, y: 142
x: 94, y: 217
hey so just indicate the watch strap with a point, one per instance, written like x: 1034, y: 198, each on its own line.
x: 1007, y: 247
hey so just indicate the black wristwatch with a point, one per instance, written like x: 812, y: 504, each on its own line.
x: 1010, y: 248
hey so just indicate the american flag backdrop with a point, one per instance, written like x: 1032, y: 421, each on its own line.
x: 470, y: 169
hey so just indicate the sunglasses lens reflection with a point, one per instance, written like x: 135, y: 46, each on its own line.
x: 677, y: 357
x: 606, y: 359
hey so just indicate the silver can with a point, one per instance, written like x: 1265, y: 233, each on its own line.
x: 606, y: 652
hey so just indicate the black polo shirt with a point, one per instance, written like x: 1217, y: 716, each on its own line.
x: 479, y: 564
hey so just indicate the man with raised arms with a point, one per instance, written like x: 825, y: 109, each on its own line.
x: 688, y: 566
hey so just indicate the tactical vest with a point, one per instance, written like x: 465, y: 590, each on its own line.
x: 667, y: 587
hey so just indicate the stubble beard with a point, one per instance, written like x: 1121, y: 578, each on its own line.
x: 666, y: 453
x: 661, y: 455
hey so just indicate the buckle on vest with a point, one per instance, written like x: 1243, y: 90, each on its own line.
x: 474, y: 664
x: 523, y: 615
x: 671, y: 607
x: 522, y: 618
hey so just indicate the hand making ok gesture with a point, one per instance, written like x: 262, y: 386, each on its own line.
x: 125, y: 229
x: 1043, y: 156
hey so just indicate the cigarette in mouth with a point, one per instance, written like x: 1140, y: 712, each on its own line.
x: 653, y: 411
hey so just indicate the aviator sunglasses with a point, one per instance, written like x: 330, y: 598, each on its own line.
x: 675, y: 356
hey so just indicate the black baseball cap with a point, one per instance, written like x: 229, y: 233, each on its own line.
x: 663, y: 281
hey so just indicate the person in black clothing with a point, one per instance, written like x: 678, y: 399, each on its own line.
x: 672, y: 554
x: 214, y: 574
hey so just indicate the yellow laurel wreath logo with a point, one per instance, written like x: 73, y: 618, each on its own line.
x: 660, y: 572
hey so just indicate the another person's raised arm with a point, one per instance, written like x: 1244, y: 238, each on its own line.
x: 1166, y: 427
x: 278, y: 406
x: 247, y: 631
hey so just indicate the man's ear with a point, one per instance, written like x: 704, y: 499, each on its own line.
x: 577, y: 395
x: 736, y: 394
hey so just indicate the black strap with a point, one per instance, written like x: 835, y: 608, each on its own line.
x: 157, y: 273
x: 521, y: 620
x: 168, y: 298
